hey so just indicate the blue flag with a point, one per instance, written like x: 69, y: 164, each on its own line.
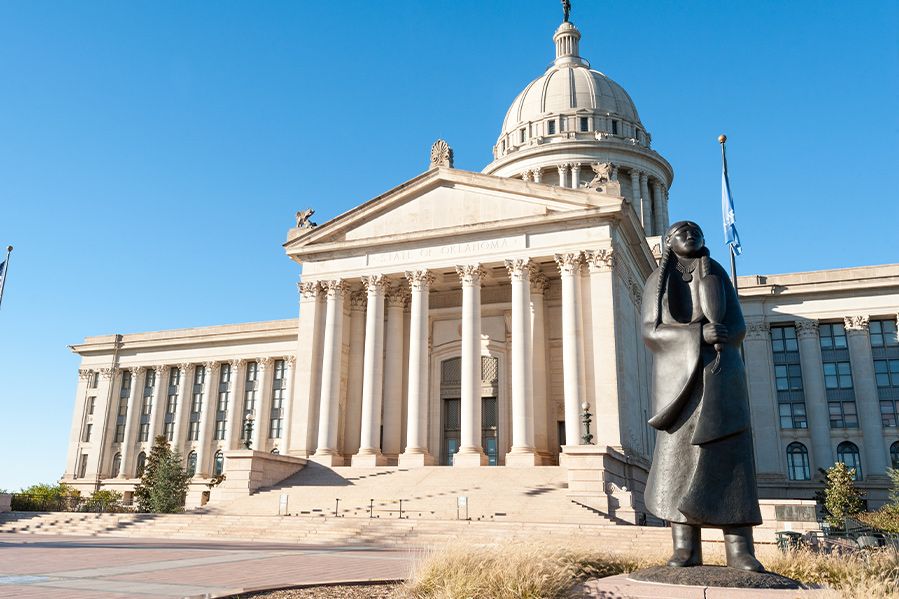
x: 731, y: 237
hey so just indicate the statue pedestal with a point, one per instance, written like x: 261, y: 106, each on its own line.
x: 701, y: 582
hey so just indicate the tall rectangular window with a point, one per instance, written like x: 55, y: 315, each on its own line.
x: 885, y: 349
x: 585, y: 124
x: 193, y: 430
x: 521, y: 135
x: 91, y: 402
x: 279, y: 384
x: 169, y: 430
x: 87, y: 433
x: 550, y: 127
x: 144, y: 432
x: 249, y: 402
x: 788, y: 377
x: 221, y: 406
x: 838, y: 376
x: 119, y: 433
x: 82, y: 467
x: 196, y: 404
x: 614, y: 127
x: 95, y: 379
x: 832, y: 336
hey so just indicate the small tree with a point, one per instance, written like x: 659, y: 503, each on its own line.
x: 163, y: 484
x: 842, y: 498
x: 893, y: 473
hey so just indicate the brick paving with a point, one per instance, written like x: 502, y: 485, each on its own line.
x: 107, y: 568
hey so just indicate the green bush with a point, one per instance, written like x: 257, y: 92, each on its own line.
x: 163, y: 485
x: 45, y: 497
x: 842, y: 498
x: 885, y: 519
x: 103, y: 501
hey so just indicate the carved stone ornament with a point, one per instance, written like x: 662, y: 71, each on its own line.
x: 358, y: 300
x: 539, y: 282
x: 757, y: 330
x: 602, y: 174
x: 856, y: 324
x: 601, y: 260
x: 137, y: 371
x: 374, y: 284
x: 634, y: 289
x: 309, y: 289
x: 569, y: 263
x: 470, y: 274
x: 210, y: 367
x: 303, y: 217
x: 290, y: 361
x: 335, y: 287
x: 84, y: 374
x: 160, y: 369
x: 236, y: 364
x: 396, y: 296
x: 420, y: 279
x: 263, y: 363
x: 107, y: 373
x: 806, y: 328
x: 441, y: 154
x: 520, y: 269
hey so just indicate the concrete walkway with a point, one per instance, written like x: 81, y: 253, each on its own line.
x: 106, y: 568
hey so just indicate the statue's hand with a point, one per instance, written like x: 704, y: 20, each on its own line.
x: 714, y: 333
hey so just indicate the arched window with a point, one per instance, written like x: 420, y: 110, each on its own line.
x: 219, y: 465
x: 192, y: 463
x: 847, y: 453
x: 141, y: 464
x: 797, y: 462
x: 894, y: 454
x: 275, y: 451
x: 116, y: 464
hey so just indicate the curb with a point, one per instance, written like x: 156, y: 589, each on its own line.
x: 237, y: 593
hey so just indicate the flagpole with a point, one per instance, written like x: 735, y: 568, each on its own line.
x: 722, y: 139
x: 5, y: 273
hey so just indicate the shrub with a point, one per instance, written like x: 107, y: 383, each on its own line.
x: 46, y: 497
x: 163, y: 484
x: 842, y: 498
x: 885, y: 519
x: 103, y: 501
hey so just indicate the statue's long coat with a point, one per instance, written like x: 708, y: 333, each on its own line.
x: 703, y: 471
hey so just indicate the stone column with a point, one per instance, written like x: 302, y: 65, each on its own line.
x: 575, y: 175
x: 647, y: 203
x: 263, y: 406
x: 130, y: 439
x: 307, y: 374
x: 538, y: 175
x: 539, y: 285
x: 235, y: 423
x: 157, y: 409
x: 94, y: 468
x: 185, y: 385
x: 659, y: 224
x: 763, y: 398
x: 569, y: 267
x: 563, y: 175
x: 522, y: 452
x: 353, y: 424
x: 393, y: 373
x: 636, y: 201
x: 471, y: 452
x: 287, y: 405
x: 326, y: 452
x: 79, y: 420
x: 369, y: 454
x: 615, y: 422
x: 867, y: 400
x: 416, y: 453
x: 207, y: 416
x: 815, y: 393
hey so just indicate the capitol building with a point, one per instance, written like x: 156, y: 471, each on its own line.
x: 469, y: 319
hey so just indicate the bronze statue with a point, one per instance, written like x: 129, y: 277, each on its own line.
x: 703, y: 472
x: 566, y: 10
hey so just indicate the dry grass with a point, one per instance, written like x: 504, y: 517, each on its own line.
x: 531, y: 570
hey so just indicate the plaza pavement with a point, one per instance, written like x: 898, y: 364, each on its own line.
x: 56, y: 566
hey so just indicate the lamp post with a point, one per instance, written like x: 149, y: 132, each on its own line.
x: 248, y: 430
x: 586, y: 418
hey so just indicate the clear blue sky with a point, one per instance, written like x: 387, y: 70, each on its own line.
x: 152, y: 154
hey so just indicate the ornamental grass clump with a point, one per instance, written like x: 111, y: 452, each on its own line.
x: 872, y: 574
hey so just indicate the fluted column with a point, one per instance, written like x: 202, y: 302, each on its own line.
x: 264, y: 376
x: 563, y: 175
x: 372, y: 375
x: 815, y: 393
x: 326, y: 452
x: 393, y: 372
x: 658, y: 212
x: 129, y: 440
x: 575, y: 175
x: 207, y: 416
x: 157, y: 409
x: 471, y: 451
x: 763, y: 398
x: 636, y: 198
x: 353, y: 417
x: 416, y: 453
x: 235, y: 422
x: 647, y: 204
x: 867, y: 400
x: 539, y: 285
x: 569, y: 268
x: 522, y: 452
x: 287, y: 406
x: 185, y: 385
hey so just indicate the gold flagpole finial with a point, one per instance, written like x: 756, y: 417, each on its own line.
x: 722, y: 138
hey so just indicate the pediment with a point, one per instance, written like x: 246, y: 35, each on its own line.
x: 442, y: 201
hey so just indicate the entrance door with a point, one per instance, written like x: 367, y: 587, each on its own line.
x: 452, y: 431
x: 488, y: 429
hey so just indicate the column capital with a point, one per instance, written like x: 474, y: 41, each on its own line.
x: 137, y: 370
x: 396, y: 296
x: 358, y: 300
x: 374, y: 284
x: 210, y: 366
x: 806, y: 328
x: 84, y: 374
x: 236, y: 364
x: 420, y: 279
x: 635, y: 172
x: 160, y: 369
x: 290, y: 361
x: 569, y: 263
x: 107, y: 373
x: 335, y: 287
x: 856, y: 325
x: 539, y: 283
x: 563, y: 167
x: 520, y: 269
x: 470, y: 274
x: 644, y: 178
x: 757, y: 330
x: 263, y: 363
x: 309, y: 289
x: 601, y: 260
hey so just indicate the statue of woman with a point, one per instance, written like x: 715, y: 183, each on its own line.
x: 703, y: 472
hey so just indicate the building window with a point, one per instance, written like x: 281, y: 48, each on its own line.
x: 885, y: 350
x: 842, y: 414
x: 95, y: 379
x: 886, y: 373
x: 169, y: 430
x: 218, y: 463
x: 192, y: 463
x: 837, y: 375
x: 894, y: 455
x: 585, y: 124
x: 277, y: 414
x: 249, y: 402
x: 847, y: 453
x: 82, y: 468
x: 614, y: 127
x: 221, y: 406
x: 196, y: 404
x: 119, y: 433
x: 504, y: 145
x: 797, y: 462
x: 144, y: 431
x: 146, y: 405
x: 883, y: 333
x: 788, y: 377
x: 116, y: 464
x: 141, y: 464
x: 550, y: 127
x: 193, y: 430
x: 562, y: 123
x: 90, y: 405
x: 521, y: 135
x: 86, y: 438
x: 792, y: 415
x: 832, y: 336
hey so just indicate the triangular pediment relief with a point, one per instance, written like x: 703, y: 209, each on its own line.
x: 443, y: 201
